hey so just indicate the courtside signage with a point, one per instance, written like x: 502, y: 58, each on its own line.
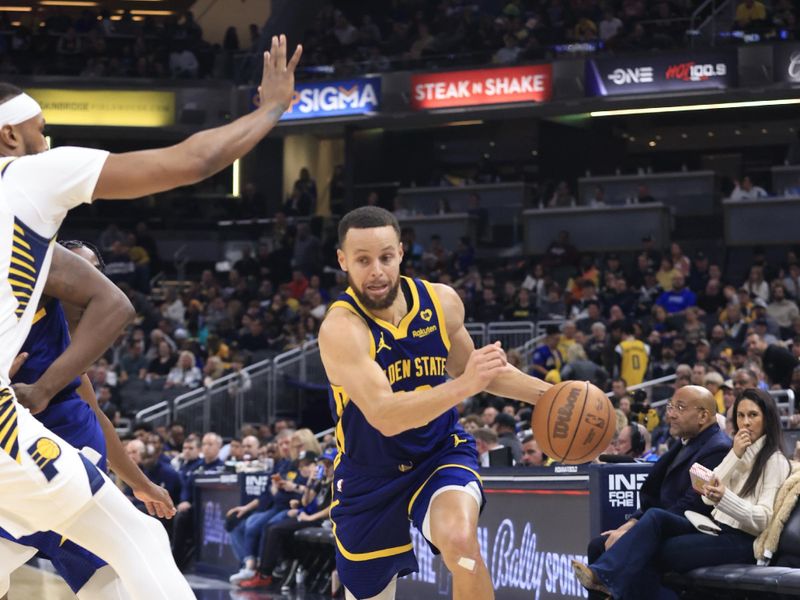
x: 659, y: 73
x: 532, y: 83
x: 111, y: 108
x: 324, y: 99
x: 786, y: 64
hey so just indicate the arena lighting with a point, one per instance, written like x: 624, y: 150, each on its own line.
x: 464, y: 123
x: 15, y: 9
x: 152, y: 13
x: 67, y: 3
x: 237, y: 177
x: 690, y: 107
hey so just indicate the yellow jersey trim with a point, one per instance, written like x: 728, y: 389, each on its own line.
x: 5, y: 165
x: 352, y: 309
x: 23, y: 264
x: 9, y: 434
x: 401, y: 330
x: 16, y: 283
x: 364, y: 556
x: 40, y: 314
x: 21, y: 242
x: 341, y: 400
x: 19, y: 273
x: 22, y: 253
x: 419, y: 489
x: 439, y: 313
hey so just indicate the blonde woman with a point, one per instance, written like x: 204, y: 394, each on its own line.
x: 185, y: 373
x: 303, y: 440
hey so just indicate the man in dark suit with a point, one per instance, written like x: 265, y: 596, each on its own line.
x: 691, y: 415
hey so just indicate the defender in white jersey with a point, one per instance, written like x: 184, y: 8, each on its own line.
x: 45, y: 484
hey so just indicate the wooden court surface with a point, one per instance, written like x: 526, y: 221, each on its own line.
x: 29, y: 583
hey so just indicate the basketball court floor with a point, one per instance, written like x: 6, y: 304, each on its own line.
x: 30, y: 583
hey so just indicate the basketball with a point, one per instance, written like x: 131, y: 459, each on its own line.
x: 573, y: 422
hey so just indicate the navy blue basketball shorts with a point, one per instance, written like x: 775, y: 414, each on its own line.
x: 373, y: 508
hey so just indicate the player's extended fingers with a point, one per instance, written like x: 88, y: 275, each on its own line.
x: 298, y: 52
x: 488, y: 349
x: 501, y: 351
x: 281, y: 57
x: 169, y: 511
x: 274, y: 52
x: 495, y: 350
x: 493, y: 363
x: 265, y: 68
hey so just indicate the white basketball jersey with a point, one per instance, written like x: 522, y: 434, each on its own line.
x: 35, y: 194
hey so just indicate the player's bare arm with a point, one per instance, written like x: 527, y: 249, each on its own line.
x: 156, y: 499
x: 106, y: 312
x: 344, y: 343
x: 136, y: 174
x: 510, y: 382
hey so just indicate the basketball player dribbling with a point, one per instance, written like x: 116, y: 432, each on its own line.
x: 387, y: 344
x: 45, y: 484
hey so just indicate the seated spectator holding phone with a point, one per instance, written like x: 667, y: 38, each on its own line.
x: 272, y: 506
x: 741, y: 491
x: 310, y: 511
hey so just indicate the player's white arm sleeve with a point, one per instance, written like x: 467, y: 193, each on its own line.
x: 43, y: 187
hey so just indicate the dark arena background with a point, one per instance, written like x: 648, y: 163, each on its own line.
x: 587, y: 174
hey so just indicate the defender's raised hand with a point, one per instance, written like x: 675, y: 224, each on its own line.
x: 277, y: 79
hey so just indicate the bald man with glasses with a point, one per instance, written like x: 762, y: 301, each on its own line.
x: 691, y: 414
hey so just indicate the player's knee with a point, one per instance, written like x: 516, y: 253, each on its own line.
x: 458, y: 543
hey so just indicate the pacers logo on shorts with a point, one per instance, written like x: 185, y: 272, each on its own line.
x: 44, y: 452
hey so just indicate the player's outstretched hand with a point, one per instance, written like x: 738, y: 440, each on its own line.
x: 157, y: 501
x: 483, y: 366
x: 277, y: 78
x: 30, y: 397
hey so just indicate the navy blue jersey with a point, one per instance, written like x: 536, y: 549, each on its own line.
x: 47, y: 340
x: 74, y: 421
x: 412, y: 355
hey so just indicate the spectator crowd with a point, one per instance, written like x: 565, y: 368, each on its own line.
x: 360, y: 37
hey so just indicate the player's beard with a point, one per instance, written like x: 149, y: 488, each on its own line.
x: 371, y: 304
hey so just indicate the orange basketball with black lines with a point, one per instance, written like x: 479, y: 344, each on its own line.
x: 573, y: 422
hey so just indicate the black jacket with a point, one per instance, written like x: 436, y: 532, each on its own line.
x: 668, y: 485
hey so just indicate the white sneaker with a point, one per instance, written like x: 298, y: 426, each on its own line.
x: 243, y: 574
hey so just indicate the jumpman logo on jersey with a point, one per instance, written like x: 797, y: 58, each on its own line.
x: 457, y: 440
x: 382, y: 345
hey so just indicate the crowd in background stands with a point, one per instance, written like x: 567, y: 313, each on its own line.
x: 261, y: 528
x: 364, y: 37
x: 686, y: 310
x: 412, y: 33
x: 271, y: 300
x: 93, y: 45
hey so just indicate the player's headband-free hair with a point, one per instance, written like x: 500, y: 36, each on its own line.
x: 18, y: 109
